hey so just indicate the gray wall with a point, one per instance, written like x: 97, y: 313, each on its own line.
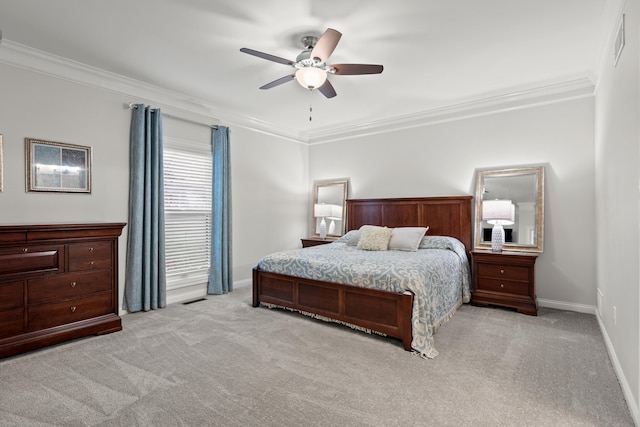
x: 37, y: 106
x: 442, y: 159
x: 270, y: 175
x: 617, y: 204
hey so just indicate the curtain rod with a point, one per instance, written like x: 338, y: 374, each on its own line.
x: 134, y: 106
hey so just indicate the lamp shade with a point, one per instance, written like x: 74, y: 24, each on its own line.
x: 321, y: 210
x: 336, y: 212
x: 498, y: 212
x: 311, y: 77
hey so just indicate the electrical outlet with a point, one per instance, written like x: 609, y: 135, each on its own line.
x: 615, y: 315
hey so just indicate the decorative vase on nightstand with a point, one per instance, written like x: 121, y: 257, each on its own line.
x: 323, y: 228
x: 497, y: 238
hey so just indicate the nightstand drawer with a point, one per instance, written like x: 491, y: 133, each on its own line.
x: 507, y: 272
x: 503, y: 286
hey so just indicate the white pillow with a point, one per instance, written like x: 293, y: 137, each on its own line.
x: 406, y: 238
x: 374, y: 238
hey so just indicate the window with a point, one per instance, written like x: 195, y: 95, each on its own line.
x: 187, y: 204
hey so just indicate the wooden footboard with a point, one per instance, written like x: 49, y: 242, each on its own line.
x: 380, y: 311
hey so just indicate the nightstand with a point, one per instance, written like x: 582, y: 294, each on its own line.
x: 505, y: 279
x: 315, y: 241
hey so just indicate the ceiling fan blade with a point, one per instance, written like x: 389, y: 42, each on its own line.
x: 278, y: 82
x: 267, y: 56
x: 327, y: 89
x: 326, y: 44
x: 352, y: 69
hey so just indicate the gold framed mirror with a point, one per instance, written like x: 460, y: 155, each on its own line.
x: 329, y: 208
x: 524, y: 188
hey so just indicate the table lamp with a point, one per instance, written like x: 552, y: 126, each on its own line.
x: 498, y: 213
x: 322, y: 211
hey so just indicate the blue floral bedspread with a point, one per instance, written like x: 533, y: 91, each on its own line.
x: 438, y: 275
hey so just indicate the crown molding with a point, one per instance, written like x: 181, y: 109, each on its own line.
x: 545, y: 94
x: 183, y: 106
x: 175, y: 103
x: 42, y: 62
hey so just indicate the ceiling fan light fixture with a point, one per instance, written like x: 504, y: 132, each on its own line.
x: 311, y: 77
x: 312, y: 66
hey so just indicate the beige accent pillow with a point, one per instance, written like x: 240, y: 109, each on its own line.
x: 374, y: 238
x: 406, y: 238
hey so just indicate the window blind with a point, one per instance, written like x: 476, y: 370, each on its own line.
x: 187, y: 202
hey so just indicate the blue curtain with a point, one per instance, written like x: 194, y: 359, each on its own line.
x: 145, y: 282
x: 220, y: 272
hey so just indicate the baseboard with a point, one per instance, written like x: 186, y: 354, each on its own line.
x: 568, y: 306
x: 626, y: 390
x: 242, y: 283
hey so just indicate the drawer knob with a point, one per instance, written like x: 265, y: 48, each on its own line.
x: 90, y: 249
x: 73, y: 284
x: 25, y: 250
x: 501, y: 271
x: 501, y: 285
x: 91, y: 263
x: 73, y: 308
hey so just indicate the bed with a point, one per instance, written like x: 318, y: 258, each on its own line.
x: 399, y: 312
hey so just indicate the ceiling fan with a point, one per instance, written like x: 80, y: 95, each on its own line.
x: 311, y: 67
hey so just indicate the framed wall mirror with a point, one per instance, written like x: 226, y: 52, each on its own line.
x: 328, y: 211
x: 524, y: 187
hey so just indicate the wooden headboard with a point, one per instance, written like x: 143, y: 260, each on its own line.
x: 445, y: 216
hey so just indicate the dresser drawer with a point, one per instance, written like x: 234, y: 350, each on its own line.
x: 26, y: 259
x: 90, y: 256
x: 42, y: 316
x: 68, y: 286
x: 502, y: 286
x: 508, y: 272
x: 13, y: 236
x: 11, y: 295
x: 12, y: 322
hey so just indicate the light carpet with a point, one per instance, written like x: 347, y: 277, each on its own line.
x: 221, y: 362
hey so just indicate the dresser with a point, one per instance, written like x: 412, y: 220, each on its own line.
x: 57, y: 283
x: 505, y: 279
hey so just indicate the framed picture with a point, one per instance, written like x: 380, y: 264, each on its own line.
x: 1, y: 162
x: 57, y: 167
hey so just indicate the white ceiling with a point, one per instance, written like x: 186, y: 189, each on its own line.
x: 436, y: 53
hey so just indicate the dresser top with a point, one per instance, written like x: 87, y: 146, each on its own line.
x: 38, y: 232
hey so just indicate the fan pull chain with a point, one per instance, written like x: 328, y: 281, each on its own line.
x: 310, y: 108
